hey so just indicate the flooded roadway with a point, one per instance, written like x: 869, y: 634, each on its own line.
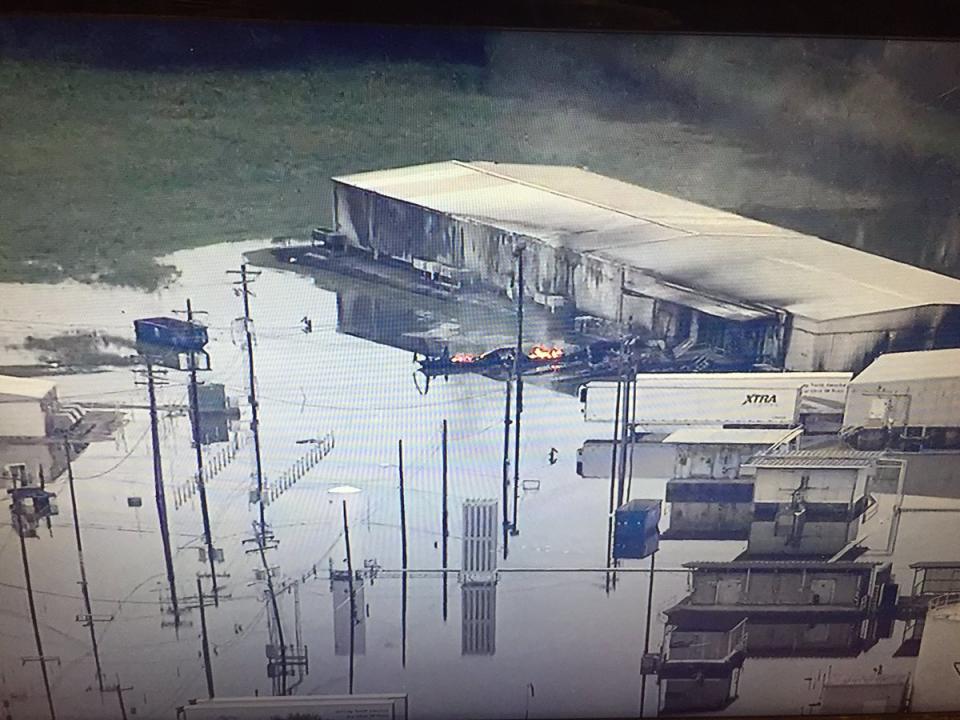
x: 564, y: 647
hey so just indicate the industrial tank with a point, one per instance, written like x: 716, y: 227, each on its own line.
x: 936, y: 678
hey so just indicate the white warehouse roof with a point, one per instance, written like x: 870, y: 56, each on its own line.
x: 28, y: 388
x: 906, y: 366
x: 709, y: 250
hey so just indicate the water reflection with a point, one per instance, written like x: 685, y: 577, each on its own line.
x: 803, y: 588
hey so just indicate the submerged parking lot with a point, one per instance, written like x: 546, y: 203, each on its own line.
x: 555, y: 638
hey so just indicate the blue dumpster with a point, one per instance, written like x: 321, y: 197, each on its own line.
x: 171, y: 333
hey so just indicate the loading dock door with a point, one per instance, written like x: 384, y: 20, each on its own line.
x: 724, y: 308
x: 738, y: 326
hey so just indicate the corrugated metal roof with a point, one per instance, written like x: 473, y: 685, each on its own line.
x: 719, y: 253
x: 906, y: 366
x: 730, y: 436
x: 31, y: 388
x: 824, y: 457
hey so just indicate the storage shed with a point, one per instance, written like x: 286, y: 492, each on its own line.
x: 27, y: 407
x: 686, y: 272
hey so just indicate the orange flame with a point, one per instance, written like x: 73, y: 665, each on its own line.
x: 542, y: 352
x: 463, y: 358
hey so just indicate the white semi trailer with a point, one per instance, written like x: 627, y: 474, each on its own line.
x: 664, y: 401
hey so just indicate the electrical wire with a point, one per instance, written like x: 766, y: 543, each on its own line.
x: 119, y: 601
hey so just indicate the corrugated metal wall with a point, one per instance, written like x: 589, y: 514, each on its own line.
x: 478, y: 619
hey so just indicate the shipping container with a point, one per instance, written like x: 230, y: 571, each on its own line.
x: 913, y: 389
x: 650, y: 458
x: 674, y: 400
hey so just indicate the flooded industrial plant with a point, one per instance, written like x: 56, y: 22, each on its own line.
x: 494, y: 437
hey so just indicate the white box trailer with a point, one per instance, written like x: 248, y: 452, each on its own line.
x: 318, y: 707
x: 675, y: 400
x: 651, y: 458
x: 910, y: 389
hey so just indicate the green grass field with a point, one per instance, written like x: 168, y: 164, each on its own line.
x: 103, y: 170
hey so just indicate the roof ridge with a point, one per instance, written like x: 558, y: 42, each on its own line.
x: 486, y: 171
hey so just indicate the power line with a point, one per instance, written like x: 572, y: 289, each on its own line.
x: 121, y: 601
x: 119, y: 462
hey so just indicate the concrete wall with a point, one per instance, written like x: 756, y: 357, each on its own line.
x: 703, y: 518
x: 817, y: 538
x: 21, y: 418
x: 783, y: 587
x: 936, y: 683
x: 884, y: 694
x: 934, y: 474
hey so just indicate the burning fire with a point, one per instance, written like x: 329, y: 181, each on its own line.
x: 463, y: 358
x: 542, y: 352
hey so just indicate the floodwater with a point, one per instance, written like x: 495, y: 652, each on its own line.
x: 562, y: 645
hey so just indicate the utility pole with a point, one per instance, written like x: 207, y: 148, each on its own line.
x: 206, y: 645
x: 198, y: 449
x: 633, y: 435
x: 646, y: 637
x: 615, y: 444
x: 159, y: 493
x: 624, y: 433
x: 403, y: 620
x: 506, y: 466
x: 297, y: 633
x: 88, y: 619
x: 518, y: 374
x: 353, y: 599
x: 260, y: 538
x: 403, y: 508
x: 246, y: 276
x: 40, y: 658
x: 445, y: 527
x: 120, y: 690
x: 613, y: 476
x: 403, y: 581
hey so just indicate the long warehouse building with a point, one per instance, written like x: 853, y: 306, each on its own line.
x: 686, y: 272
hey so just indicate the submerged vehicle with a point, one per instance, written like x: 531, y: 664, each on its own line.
x: 493, y: 362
